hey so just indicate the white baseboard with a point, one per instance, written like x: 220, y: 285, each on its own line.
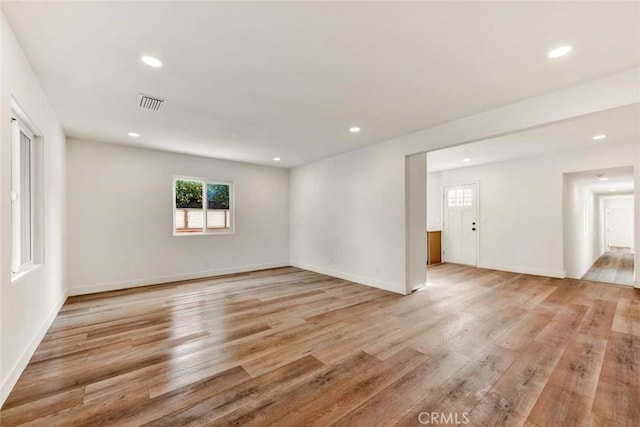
x: 115, y: 286
x: 367, y: 281
x: 525, y: 270
x: 17, y: 369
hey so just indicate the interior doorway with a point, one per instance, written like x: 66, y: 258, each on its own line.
x: 599, y: 225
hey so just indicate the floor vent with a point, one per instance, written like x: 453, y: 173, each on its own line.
x: 152, y: 103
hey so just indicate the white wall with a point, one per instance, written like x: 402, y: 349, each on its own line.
x: 521, y: 208
x: 348, y: 217
x: 416, y: 183
x: 120, y: 218
x: 434, y: 201
x: 581, y: 227
x: 29, y: 304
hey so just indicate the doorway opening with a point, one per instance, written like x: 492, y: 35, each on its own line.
x: 523, y: 223
x: 599, y: 225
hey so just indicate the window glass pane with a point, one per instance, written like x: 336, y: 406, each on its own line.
x: 460, y: 193
x: 180, y: 218
x: 452, y: 201
x: 467, y: 192
x: 195, y: 219
x: 189, y: 215
x: 218, y: 207
x: 459, y: 202
x: 216, y: 218
x: 467, y: 201
x: 217, y: 196
x: 452, y: 194
x: 25, y: 198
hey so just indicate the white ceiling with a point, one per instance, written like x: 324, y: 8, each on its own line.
x: 249, y: 81
x: 621, y: 125
x: 620, y: 180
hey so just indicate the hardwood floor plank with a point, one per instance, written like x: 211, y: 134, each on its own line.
x: 464, y: 390
x: 342, y: 398
x: 407, y: 392
x: 618, y: 393
x: 599, y: 319
x: 264, y: 411
x: 563, y: 325
x: 627, y: 316
x: 512, y: 397
x: 249, y: 392
x: 523, y: 332
x: 178, y: 399
x: 568, y: 395
x: 42, y: 407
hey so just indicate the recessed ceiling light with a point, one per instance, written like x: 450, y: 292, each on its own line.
x: 603, y: 178
x: 466, y: 159
x: 134, y: 134
x: 354, y: 129
x: 601, y: 136
x: 276, y: 159
x: 613, y: 189
x: 559, y: 51
x: 152, y: 61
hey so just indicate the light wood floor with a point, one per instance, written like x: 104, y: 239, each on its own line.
x: 615, y: 266
x: 288, y: 347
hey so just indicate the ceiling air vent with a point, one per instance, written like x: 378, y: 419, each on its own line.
x: 152, y: 103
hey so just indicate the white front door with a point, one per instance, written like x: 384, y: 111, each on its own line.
x: 460, y: 230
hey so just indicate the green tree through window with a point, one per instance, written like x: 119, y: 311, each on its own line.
x: 217, y: 196
x: 188, y: 194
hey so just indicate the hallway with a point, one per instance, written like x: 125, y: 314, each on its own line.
x: 615, y: 266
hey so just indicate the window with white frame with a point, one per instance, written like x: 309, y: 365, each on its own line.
x: 202, y: 206
x: 22, y: 200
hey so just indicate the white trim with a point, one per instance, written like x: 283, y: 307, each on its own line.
x: 525, y: 270
x: 27, y: 354
x: 17, y: 276
x: 19, y: 125
x: 367, y: 281
x: 202, y: 233
x: 19, y: 111
x: 115, y: 286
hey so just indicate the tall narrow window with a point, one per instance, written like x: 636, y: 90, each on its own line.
x: 202, y: 206
x: 21, y: 197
